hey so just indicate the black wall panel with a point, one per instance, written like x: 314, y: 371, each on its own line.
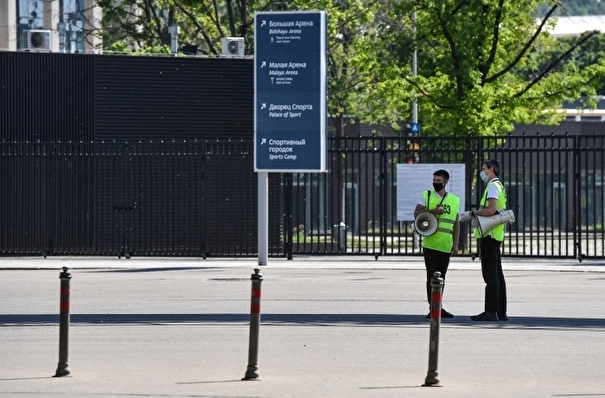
x: 173, y: 98
x: 50, y: 97
x: 23, y: 199
x: 46, y: 97
x: 230, y: 196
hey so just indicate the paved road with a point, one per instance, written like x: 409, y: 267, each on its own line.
x: 331, y: 327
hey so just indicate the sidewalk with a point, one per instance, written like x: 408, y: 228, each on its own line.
x: 318, y: 261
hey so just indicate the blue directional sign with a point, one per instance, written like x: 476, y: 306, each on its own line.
x: 290, y: 85
x: 414, y: 128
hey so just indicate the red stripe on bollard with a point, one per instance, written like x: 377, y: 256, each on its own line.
x: 63, y: 366
x: 432, y: 378
x: 252, y: 369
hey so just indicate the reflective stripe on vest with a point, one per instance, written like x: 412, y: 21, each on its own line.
x: 443, y: 239
x: 498, y: 231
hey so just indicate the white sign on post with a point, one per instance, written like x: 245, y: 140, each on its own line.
x: 414, y: 178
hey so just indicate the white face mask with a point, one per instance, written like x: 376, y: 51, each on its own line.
x: 483, y: 176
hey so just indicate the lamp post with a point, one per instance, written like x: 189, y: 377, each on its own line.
x: 414, y: 71
x: 174, y: 39
x: 62, y: 31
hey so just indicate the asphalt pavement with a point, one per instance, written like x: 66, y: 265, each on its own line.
x: 330, y: 327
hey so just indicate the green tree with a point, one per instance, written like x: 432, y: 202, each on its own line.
x: 143, y: 24
x: 481, y: 66
x: 130, y: 25
x: 592, y: 52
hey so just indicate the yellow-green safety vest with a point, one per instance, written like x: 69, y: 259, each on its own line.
x: 498, y: 231
x: 443, y: 239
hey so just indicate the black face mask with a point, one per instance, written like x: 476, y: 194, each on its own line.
x: 438, y: 186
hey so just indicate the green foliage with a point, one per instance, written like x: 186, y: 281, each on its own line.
x: 121, y: 48
x: 483, y: 66
x: 136, y: 24
x: 299, y: 234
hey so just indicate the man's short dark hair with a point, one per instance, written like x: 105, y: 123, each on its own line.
x: 493, y: 164
x: 442, y: 173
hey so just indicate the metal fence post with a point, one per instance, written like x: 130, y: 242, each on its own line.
x: 252, y: 370
x: 383, y: 201
x: 432, y: 379
x: 289, y: 228
x: 63, y: 366
x: 577, y: 189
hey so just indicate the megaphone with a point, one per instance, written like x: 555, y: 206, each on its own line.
x: 486, y: 224
x: 425, y: 224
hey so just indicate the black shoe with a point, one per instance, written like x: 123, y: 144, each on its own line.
x: 444, y: 314
x: 502, y: 316
x: 485, y: 316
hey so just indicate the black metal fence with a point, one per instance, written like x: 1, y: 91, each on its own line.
x: 199, y: 198
x: 123, y: 199
x: 555, y: 187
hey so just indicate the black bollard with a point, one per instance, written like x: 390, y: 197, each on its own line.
x: 252, y: 370
x: 63, y: 366
x: 432, y: 379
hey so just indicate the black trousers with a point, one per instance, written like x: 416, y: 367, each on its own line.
x: 434, y: 260
x: 491, y: 268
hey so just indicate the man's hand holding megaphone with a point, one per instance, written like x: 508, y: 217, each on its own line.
x: 486, y: 223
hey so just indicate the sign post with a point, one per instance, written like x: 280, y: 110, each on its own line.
x: 290, y: 101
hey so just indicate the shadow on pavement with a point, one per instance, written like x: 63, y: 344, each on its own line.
x: 302, y: 319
